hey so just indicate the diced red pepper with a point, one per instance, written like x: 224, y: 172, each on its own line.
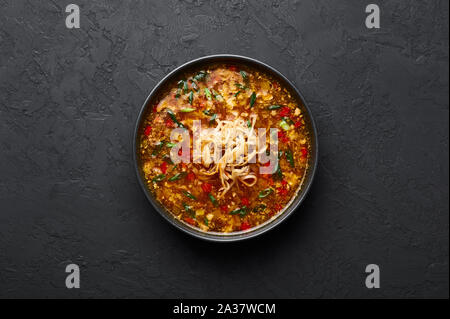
x: 155, y: 108
x: 163, y: 167
x: 180, y: 152
x: 189, y: 220
x: 278, y: 207
x: 282, y: 191
x: 190, y: 177
x: 224, y: 208
x: 304, y: 152
x: 284, y: 183
x: 207, y: 188
x: 298, y: 124
x: 148, y: 130
x: 233, y: 68
x: 282, y: 137
x: 170, y: 123
x: 245, y: 226
x: 244, y: 201
x: 284, y: 111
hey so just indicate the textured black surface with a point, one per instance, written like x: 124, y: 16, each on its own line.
x: 68, y: 191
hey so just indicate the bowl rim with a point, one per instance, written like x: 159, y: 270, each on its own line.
x: 264, y: 227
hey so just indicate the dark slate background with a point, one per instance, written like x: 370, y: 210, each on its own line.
x: 68, y: 191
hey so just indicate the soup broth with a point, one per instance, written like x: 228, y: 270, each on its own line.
x: 222, y: 195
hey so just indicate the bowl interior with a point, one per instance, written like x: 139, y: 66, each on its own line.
x: 160, y: 88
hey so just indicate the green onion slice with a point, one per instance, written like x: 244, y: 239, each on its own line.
x: 265, y: 192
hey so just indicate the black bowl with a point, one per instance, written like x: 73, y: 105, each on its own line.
x: 293, y: 204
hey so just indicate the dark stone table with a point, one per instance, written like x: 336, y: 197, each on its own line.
x: 69, y: 99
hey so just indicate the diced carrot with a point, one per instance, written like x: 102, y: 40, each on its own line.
x: 284, y: 111
x: 282, y: 191
x: 170, y: 123
x: 189, y: 220
x: 207, y: 188
x: 163, y: 167
x: 304, y: 152
x: 190, y: 177
x: 282, y: 137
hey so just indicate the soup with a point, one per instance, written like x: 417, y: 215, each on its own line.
x: 202, y: 153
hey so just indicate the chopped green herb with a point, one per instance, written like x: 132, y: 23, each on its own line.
x: 167, y: 159
x: 174, y: 118
x: 183, y: 84
x: 208, y: 94
x: 290, y: 157
x: 158, y: 148
x: 213, y: 200
x: 159, y: 178
x: 188, y: 194
x: 212, y: 119
x: 194, y: 86
x: 191, y: 97
x: 170, y: 144
x: 274, y: 107
x: 217, y: 96
x: 259, y: 208
x: 278, y: 174
x: 240, y: 86
x: 244, y: 75
x: 207, y: 112
x: 187, y: 109
x: 284, y: 125
x: 252, y: 99
x: 237, y: 93
x: 240, y: 211
x: 287, y: 120
x: 265, y: 192
x: 249, y: 124
x: 177, y: 176
x: 200, y: 76
x: 188, y: 209
x: 206, y: 221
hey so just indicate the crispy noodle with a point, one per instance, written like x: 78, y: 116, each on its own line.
x: 227, y: 150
